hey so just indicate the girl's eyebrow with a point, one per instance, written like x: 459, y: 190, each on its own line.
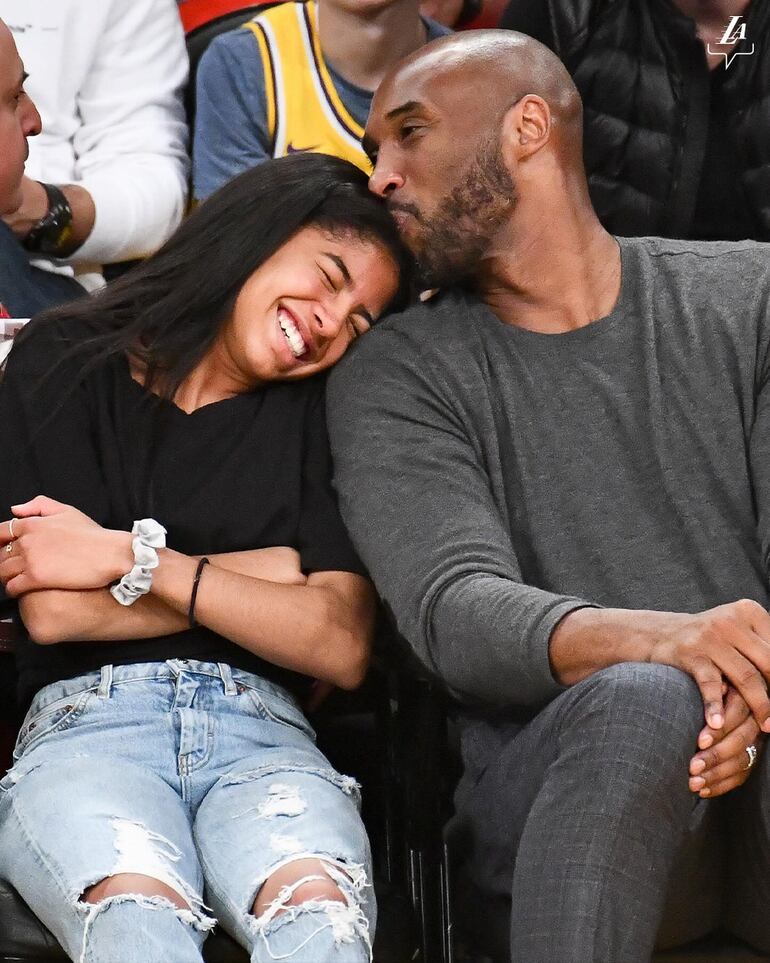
x: 340, y: 264
x: 360, y: 310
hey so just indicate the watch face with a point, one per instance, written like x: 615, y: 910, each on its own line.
x: 56, y: 237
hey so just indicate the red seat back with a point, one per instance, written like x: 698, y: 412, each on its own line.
x: 196, y: 13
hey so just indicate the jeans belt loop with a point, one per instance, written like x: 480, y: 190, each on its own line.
x: 227, y: 677
x: 105, y: 683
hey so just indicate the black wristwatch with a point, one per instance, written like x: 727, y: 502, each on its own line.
x: 53, y: 232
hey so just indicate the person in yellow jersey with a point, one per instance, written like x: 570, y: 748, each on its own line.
x: 298, y: 77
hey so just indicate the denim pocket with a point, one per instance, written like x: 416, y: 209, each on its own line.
x: 54, y: 717
x: 273, y: 708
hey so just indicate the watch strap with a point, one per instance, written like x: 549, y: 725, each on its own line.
x: 53, y: 232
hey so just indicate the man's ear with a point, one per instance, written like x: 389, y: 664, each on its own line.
x: 526, y: 127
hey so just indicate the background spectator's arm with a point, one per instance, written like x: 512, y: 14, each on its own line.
x: 131, y: 148
x: 34, y: 206
x: 231, y: 133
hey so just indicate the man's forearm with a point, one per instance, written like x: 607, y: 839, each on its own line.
x: 590, y: 639
x: 730, y: 643
x: 34, y: 207
x: 83, y: 216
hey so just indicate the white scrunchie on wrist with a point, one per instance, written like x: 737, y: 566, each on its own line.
x: 149, y: 536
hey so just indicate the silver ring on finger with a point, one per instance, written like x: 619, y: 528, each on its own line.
x: 751, y: 752
x: 10, y: 528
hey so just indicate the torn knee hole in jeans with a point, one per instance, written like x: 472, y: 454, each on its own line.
x: 142, y: 852
x: 346, y: 918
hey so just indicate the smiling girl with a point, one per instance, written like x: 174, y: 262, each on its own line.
x: 183, y: 575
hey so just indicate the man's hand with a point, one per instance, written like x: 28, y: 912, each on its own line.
x: 728, y: 643
x: 721, y: 764
x: 50, y: 545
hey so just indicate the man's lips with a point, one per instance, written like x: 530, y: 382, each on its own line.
x: 401, y: 218
x: 400, y: 212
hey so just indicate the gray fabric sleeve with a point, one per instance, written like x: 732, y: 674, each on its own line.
x: 419, y: 506
x: 759, y: 441
x: 231, y: 132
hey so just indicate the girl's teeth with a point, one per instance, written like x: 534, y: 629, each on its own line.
x: 292, y: 335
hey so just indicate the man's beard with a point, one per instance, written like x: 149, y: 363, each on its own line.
x: 457, y: 235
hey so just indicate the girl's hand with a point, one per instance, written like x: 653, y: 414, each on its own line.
x: 49, y: 545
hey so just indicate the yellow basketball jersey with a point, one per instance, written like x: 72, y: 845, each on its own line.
x: 304, y: 110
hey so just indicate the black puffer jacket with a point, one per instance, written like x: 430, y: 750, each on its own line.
x: 641, y: 72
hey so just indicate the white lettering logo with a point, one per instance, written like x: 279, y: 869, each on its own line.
x: 735, y: 31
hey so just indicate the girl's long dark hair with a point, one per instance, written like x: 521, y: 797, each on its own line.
x: 166, y: 312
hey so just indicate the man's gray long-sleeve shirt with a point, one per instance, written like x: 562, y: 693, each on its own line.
x: 494, y: 479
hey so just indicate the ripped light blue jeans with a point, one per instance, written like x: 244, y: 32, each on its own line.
x: 197, y: 775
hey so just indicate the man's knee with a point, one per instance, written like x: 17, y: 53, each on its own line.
x: 645, y: 707
x: 135, y: 884
x: 646, y: 688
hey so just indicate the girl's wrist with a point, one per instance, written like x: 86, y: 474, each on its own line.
x: 147, y: 536
x: 120, y: 551
x: 173, y: 578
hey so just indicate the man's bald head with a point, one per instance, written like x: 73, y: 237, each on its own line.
x: 500, y: 65
x: 464, y: 128
x: 18, y: 120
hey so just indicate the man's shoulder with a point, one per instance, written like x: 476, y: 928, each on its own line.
x: 721, y: 261
x: 435, y: 326
x: 419, y: 343
x: 712, y: 288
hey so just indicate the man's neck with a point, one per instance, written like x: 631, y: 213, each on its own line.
x: 562, y: 278
x: 363, y: 46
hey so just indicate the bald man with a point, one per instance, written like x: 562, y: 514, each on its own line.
x: 558, y: 474
x: 19, y: 120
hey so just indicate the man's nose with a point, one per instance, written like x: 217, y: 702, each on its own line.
x: 385, y: 179
x: 32, y: 125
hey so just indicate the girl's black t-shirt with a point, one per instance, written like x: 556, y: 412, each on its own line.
x: 249, y: 472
